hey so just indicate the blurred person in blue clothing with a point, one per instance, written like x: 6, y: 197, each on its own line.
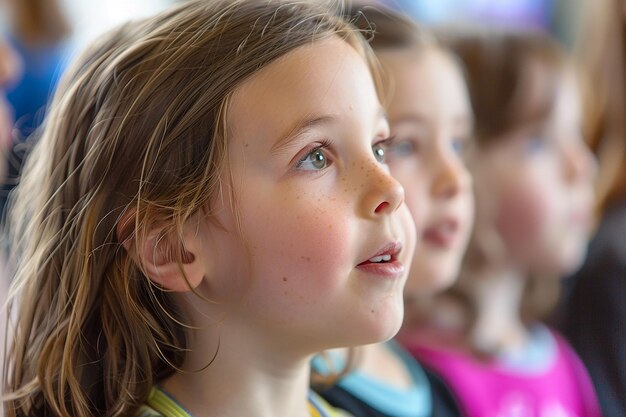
x: 37, y: 33
x: 9, y: 70
x: 10, y: 67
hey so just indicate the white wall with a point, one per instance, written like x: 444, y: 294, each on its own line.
x: 92, y: 17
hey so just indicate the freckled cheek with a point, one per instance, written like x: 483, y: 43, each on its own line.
x: 307, y: 246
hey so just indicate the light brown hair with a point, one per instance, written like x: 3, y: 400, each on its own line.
x: 500, y: 69
x: 136, y: 131
x: 601, y: 51
x: 387, y: 29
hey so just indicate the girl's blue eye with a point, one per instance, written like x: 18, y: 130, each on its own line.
x: 379, y: 152
x: 313, y: 161
x: 458, y: 146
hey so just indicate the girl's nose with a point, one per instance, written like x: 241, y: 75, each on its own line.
x: 579, y: 163
x: 384, y: 194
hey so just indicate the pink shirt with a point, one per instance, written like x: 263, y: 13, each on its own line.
x: 559, y: 387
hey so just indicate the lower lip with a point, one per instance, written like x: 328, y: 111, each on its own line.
x: 386, y: 269
x: 442, y: 240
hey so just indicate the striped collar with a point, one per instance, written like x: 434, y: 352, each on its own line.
x: 165, y: 405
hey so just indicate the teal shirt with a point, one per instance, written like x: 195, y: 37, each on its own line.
x: 415, y: 401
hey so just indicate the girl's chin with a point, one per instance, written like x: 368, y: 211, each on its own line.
x: 385, y: 328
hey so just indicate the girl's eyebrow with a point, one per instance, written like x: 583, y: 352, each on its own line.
x: 308, y: 122
x: 301, y: 126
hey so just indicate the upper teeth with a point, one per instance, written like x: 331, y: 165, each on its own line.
x: 381, y: 258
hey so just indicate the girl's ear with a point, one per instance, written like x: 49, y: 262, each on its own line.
x: 169, y: 260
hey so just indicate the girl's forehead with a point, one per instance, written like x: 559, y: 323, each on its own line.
x: 326, y: 77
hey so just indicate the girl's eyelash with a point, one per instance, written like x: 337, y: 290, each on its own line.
x: 325, y: 144
x: 322, y: 144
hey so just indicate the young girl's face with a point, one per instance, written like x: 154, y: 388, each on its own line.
x: 537, y: 186
x: 430, y: 118
x: 315, y: 246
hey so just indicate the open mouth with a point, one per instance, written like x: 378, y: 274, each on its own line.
x: 385, y: 262
x: 380, y: 259
x: 388, y: 253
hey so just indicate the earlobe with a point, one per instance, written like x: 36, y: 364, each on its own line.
x: 166, y: 258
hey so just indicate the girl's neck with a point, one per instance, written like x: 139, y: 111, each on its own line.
x: 244, y: 379
x: 497, y: 292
